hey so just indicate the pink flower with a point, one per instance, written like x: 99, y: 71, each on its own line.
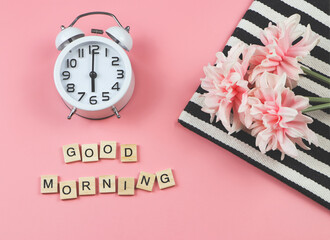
x: 279, y: 54
x: 273, y: 114
x: 226, y: 85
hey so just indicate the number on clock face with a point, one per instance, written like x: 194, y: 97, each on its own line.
x: 92, y: 73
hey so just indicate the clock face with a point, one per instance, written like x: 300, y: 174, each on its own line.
x: 93, y: 73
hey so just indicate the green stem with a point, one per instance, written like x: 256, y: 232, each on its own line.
x: 319, y: 99
x: 316, y: 75
x: 317, y: 107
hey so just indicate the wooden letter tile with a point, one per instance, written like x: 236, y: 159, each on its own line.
x: 49, y: 184
x: 87, y: 186
x: 71, y: 153
x: 68, y: 190
x: 108, y: 150
x: 89, y: 152
x: 107, y: 184
x: 146, y: 181
x: 126, y: 186
x: 165, y: 179
x: 128, y: 152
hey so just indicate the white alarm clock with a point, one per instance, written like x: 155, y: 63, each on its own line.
x: 93, y: 74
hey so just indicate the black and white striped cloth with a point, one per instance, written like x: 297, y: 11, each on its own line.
x: 309, y: 173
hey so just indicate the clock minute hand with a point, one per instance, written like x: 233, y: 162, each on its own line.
x: 93, y: 54
x: 93, y: 74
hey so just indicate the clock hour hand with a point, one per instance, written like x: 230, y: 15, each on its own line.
x: 93, y: 74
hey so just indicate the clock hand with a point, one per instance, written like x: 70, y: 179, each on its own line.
x: 93, y: 74
x: 93, y: 60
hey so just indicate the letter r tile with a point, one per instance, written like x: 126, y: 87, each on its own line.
x: 87, y: 186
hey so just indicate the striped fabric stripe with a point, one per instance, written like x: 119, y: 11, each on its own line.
x: 309, y: 173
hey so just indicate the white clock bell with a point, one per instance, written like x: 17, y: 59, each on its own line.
x: 93, y: 74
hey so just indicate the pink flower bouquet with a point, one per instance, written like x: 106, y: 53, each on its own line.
x: 252, y: 88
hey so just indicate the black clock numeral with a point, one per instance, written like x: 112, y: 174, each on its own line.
x: 70, y: 87
x: 93, y: 100
x: 82, y: 95
x: 66, y: 75
x: 115, y: 61
x: 105, y: 96
x: 71, y: 63
x: 120, y: 73
x: 106, y: 52
x: 94, y: 48
x: 81, y: 52
x: 116, y: 86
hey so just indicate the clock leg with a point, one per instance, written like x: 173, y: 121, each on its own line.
x: 73, y: 110
x: 114, y: 109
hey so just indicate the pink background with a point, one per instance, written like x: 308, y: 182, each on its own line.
x: 218, y: 195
